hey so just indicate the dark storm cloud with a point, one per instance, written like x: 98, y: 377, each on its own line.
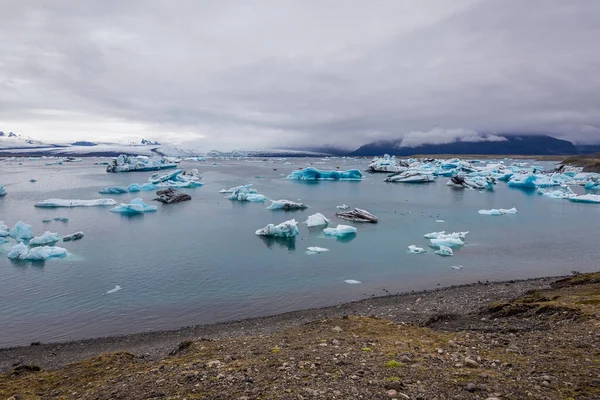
x: 261, y: 74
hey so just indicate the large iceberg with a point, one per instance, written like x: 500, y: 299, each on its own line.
x: 357, y: 215
x: 46, y: 239
x: 177, y: 179
x: 124, y: 163
x: 2, y: 191
x: 54, y: 203
x: 387, y: 164
x: 475, y: 183
x: 586, y: 198
x: 286, y: 205
x: 444, y: 251
x: 340, y: 231
x: 411, y: 177
x: 415, y: 249
x: 22, y: 252
x: 21, y: 231
x: 531, y: 181
x: 244, y: 193
x: 313, y: 174
x: 136, y: 206
x: 286, y: 229
x: 498, y: 211
x: 317, y: 219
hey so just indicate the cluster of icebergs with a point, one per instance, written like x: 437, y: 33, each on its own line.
x: 443, y: 242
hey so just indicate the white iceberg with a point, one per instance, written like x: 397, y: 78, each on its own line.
x: 386, y: 164
x: 46, y: 239
x: 317, y: 219
x: 499, y: 211
x: 21, y: 231
x: 439, y: 220
x: 136, y: 206
x: 456, y: 266
x: 564, y: 192
x: 443, y: 234
x: 340, y: 231
x: 116, y: 289
x: 55, y: 203
x: 313, y: 174
x: 177, y: 179
x: 586, y: 198
x: 124, y: 163
x: 444, y: 251
x: 415, y: 249
x: 474, y: 182
x: 352, y: 282
x: 447, y: 242
x: 22, y: 252
x: 286, y: 205
x: 316, y: 250
x: 285, y: 229
x: 342, y: 207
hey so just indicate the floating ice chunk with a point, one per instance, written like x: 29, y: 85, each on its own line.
x: 434, y: 235
x: 46, y: 239
x: 170, y: 195
x: 244, y: 193
x: 340, y: 231
x: 444, y: 251
x: 357, y: 215
x: 317, y: 219
x: 136, y: 206
x: 499, y: 211
x: 285, y: 229
x: 47, y: 220
x: 21, y: 231
x: 286, y: 205
x: 61, y: 219
x: 387, y: 164
x: 33, y: 180
x: 342, y: 207
x: 411, y: 177
x: 54, y: 203
x: 564, y: 192
x: 134, y: 188
x: 474, y: 182
x: 586, y: 198
x: 116, y: 289
x: 113, y: 190
x: 447, y: 242
x: 73, y: 237
x: 313, y: 174
x: 316, y: 250
x: 416, y: 250
x: 439, y: 220
x: 177, y: 179
x: 456, y: 266
x: 352, y: 282
x: 124, y: 163
x: 2, y: 191
x: 3, y: 229
x: 533, y: 181
x: 22, y: 252
x: 443, y: 234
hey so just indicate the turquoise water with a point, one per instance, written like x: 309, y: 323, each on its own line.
x: 200, y: 262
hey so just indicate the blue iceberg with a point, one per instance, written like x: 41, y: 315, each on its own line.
x: 177, y: 179
x: 136, y: 206
x: 3, y: 229
x: 46, y: 239
x: 340, y: 231
x: 314, y: 174
x: 21, y: 232
x: 244, y: 193
x: 287, y: 229
x: 22, y: 252
x: 146, y: 187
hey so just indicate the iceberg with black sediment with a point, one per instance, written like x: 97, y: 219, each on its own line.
x: 386, y: 164
x: 244, y: 193
x: 287, y: 229
x: 357, y: 215
x: 340, y: 231
x: 314, y: 174
x: 125, y: 163
x: 113, y: 190
x: 45, y: 239
x: 22, y: 252
x: 55, y: 203
x: 415, y: 249
x: 498, y: 211
x: 177, y: 179
x: 317, y: 219
x: 586, y: 198
x: 474, y: 183
x: 444, y: 251
x: 72, y: 237
x: 411, y: 177
x: 21, y: 231
x: 286, y: 205
x: 136, y: 206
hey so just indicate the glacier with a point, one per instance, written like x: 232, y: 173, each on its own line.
x: 46, y: 239
x: 22, y: 252
x: 499, y: 211
x: 21, y: 231
x: 415, y: 249
x: 317, y: 219
x: 136, y: 206
x: 340, y: 231
x: 314, y: 174
x: 55, y: 203
x: 444, y: 251
x: 125, y: 163
x: 286, y: 205
x: 287, y: 229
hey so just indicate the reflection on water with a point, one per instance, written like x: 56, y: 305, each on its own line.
x: 284, y: 243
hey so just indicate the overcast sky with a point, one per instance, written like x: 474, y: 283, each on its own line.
x: 234, y: 74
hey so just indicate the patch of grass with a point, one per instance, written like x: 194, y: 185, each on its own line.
x: 275, y: 350
x: 367, y: 349
x: 394, y: 364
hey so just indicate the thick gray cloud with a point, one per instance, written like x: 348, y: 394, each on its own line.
x: 261, y: 74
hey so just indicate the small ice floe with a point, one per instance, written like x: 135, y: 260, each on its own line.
x: 47, y: 238
x: 342, y: 207
x: 136, y: 206
x: 317, y: 219
x: 136, y: 187
x: 22, y: 252
x: 456, y: 266
x: 244, y: 193
x: 113, y: 190
x: 447, y: 242
x: 352, y: 282
x: 72, y: 237
x: 440, y: 220
x: 285, y: 229
x: 33, y: 180
x: 443, y: 234
x: 286, y: 205
x: 116, y: 289
x: 55, y: 203
x: 564, y: 192
x: 21, y: 231
x: 586, y: 198
x: 316, y: 250
x: 340, y: 231
x: 444, y: 251
x: 170, y: 195
x: 177, y: 179
x: 499, y: 211
x: 313, y: 174
x: 357, y: 215
x: 2, y: 191
x: 415, y: 249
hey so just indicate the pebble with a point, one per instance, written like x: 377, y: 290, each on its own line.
x: 469, y: 362
x: 391, y: 393
x: 471, y: 387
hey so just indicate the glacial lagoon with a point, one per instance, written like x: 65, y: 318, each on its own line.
x: 200, y: 261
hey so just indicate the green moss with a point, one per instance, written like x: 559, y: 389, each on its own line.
x: 394, y: 364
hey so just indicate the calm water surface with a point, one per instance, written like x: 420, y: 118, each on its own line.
x: 200, y: 262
